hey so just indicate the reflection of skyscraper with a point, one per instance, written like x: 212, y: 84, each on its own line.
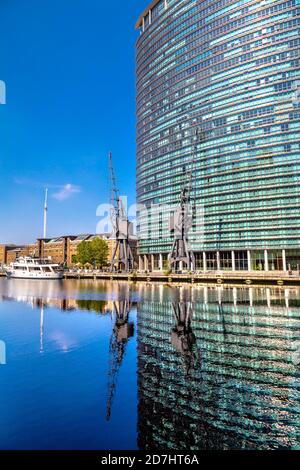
x: 244, y: 392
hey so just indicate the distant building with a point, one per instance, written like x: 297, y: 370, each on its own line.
x: 56, y: 249
x: 3, y: 252
x: 26, y: 250
x: 9, y: 253
x: 61, y: 250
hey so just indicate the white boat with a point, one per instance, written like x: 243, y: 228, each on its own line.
x: 33, y: 268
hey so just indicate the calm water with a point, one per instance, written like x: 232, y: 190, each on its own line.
x: 107, y: 366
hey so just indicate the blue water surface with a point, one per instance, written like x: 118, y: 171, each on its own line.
x: 96, y: 365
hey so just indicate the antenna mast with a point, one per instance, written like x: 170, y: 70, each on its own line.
x: 45, y: 214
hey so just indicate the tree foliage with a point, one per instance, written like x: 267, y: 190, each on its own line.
x: 93, y: 252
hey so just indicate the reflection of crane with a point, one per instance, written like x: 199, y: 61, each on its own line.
x: 183, y: 337
x: 122, y: 257
x: 123, y: 330
x: 222, y: 315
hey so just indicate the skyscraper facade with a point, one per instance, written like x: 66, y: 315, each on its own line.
x: 218, y: 97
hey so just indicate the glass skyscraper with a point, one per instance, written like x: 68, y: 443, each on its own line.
x: 218, y: 97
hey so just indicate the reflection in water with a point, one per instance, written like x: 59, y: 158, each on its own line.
x: 218, y: 368
x: 42, y: 330
x: 183, y: 338
x: 42, y: 298
x: 123, y: 330
x: 296, y: 355
x: 243, y: 394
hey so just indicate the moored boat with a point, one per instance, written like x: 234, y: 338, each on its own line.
x: 33, y: 268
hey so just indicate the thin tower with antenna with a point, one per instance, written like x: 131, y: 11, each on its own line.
x: 45, y: 214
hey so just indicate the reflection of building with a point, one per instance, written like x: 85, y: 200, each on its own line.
x: 217, y: 90
x: 242, y: 395
x: 67, y: 305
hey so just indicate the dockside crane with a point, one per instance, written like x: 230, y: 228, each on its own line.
x: 181, y: 254
x: 122, y: 257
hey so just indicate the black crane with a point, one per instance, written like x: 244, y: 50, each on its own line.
x: 122, y: 257
x: 181, y: 252
x: 182, y: 222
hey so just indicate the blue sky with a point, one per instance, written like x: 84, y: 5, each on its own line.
x: 68, y: 66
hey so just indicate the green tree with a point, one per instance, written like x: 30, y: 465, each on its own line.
x: 84, y: 253
x: 93, y: 252
x: 99, y: 252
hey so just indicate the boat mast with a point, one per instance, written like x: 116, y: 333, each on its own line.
x: 45, y: 213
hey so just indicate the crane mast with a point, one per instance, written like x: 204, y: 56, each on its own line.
x: 122, y: 257
x: 181, y: 253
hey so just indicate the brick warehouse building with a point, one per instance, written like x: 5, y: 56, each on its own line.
x: 60, y: 250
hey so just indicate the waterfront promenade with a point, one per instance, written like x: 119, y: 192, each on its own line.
x: 238, y: 277
x: 248, y: 278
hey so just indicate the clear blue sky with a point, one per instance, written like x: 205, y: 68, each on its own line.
x: 68, y: 66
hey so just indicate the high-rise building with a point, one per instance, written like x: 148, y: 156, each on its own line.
x: 218, y: 96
